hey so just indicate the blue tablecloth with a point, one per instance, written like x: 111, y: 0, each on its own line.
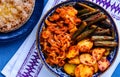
x: 7, y: 50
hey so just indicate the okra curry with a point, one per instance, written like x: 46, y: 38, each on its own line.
x: 78, y: 38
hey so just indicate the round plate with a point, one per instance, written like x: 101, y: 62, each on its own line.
x: 59, y: 71
x: 27, y: 27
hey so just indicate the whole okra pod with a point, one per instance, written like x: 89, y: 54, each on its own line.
x: 86, y: 15
x: 105, y: 43
x: 80, y: 29
x: 86, y: 6
x: 85, y: 34
x: 101, y: 38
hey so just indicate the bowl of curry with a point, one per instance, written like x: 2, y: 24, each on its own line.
x: 77, y: 39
